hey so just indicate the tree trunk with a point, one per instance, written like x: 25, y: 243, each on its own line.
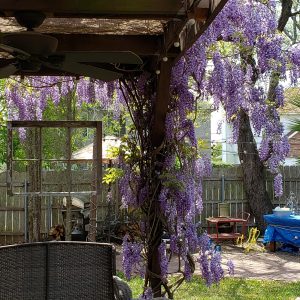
x: 253, y: 172
x: 154, y: 265
x: 253, y: 169
x: 155, y: 238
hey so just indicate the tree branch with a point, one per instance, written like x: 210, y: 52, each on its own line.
x: 295, y: 13
x: 285, y: 14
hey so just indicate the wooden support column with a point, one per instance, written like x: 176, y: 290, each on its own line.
x: 9, y: 172
x: 70, y: 117
x: 35, y: 180
x: 162, y: 102
x: 69, y: 185
x: 157, y: 138
x: 97, y: 182
x: 98, y: 158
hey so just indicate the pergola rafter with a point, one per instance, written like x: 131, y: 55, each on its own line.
x: 154, y: 9
x: 181, y: 21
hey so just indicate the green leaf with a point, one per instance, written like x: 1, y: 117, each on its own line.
x: 112, y: 175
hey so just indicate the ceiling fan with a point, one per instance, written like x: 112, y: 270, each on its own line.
x: 32, y: 51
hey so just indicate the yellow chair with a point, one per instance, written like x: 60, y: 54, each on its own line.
x: 251, y: 243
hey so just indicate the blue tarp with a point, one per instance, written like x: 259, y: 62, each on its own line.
x: 292, y: 220
x: 283, y: 229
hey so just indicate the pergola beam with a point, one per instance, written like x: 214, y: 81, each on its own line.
x: 195, y: 28
x: 143, y: 45
x: 154, y: 9
x: 187, y: 31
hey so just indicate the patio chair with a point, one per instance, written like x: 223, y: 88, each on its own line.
x: 59, y: 270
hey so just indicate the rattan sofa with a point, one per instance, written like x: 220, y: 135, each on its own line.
x: 57, y: 270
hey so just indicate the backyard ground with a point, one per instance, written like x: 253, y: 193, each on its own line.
x: 267, y: 265
x: 259, y: 276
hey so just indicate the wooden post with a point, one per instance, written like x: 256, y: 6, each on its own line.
x: 9, y: 172
x: 35, y: 180
x: 272, y: 246
x: 157, y: 137
x: 69, y: 186
x: 97, y: 182
x: 98, y: 178
x: 70, y: 116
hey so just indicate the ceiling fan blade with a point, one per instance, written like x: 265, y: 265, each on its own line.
x: 14, y: 51
x: 88, y: 71
x: 119, y: 57
x: 8, y: 70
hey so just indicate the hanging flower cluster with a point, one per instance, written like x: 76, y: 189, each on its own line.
x: 246, y: 50
x: 164, y: 187
x: 28, y: 98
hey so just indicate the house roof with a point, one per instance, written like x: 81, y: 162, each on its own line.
x: 87, y: 151
x: 290, y: 95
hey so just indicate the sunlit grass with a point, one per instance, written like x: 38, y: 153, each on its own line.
x: 230, y: 289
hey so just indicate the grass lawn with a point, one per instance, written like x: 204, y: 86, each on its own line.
x: 230, y: 289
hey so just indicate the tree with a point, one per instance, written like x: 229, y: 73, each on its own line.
x: 247, y: 51
x: 294, y: 99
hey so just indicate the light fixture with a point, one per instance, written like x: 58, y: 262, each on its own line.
x: 165, y: 58
x: 176, y: 44
x: 192, y: 21
x: 157, y: 72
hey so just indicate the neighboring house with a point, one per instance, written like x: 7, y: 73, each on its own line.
x: 203, y: 127
x: 229, y: 150
x: 294, y: 139
x: 87, y: 151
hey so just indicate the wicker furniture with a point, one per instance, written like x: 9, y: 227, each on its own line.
x: 57, y: 270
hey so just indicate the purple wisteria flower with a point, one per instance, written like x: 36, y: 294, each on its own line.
x: 131, y: 256
x: 205, y: 269
x: 147, y: 294
x: 278, y: 185
x: 230, y: 267
x: 187, y: 271
x: 216, y: 267
x: 163, y: 260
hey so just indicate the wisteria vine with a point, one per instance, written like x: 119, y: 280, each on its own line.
x: 230, y: 64
x: 246, y: 50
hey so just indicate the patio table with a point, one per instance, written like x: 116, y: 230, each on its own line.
x: 284, y: 229
x: 216, y: 221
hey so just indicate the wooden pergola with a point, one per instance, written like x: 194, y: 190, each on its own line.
x: 158, y: 31
x: 155, y: 30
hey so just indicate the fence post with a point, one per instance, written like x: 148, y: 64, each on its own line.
x: 25, y: 211
x: 49, y: 213
x: 222, y: 188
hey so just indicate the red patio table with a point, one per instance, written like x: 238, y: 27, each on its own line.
x: 216, y: 221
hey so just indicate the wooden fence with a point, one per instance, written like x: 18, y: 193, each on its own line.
x: 225, y: 185
x: 14, y: 209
